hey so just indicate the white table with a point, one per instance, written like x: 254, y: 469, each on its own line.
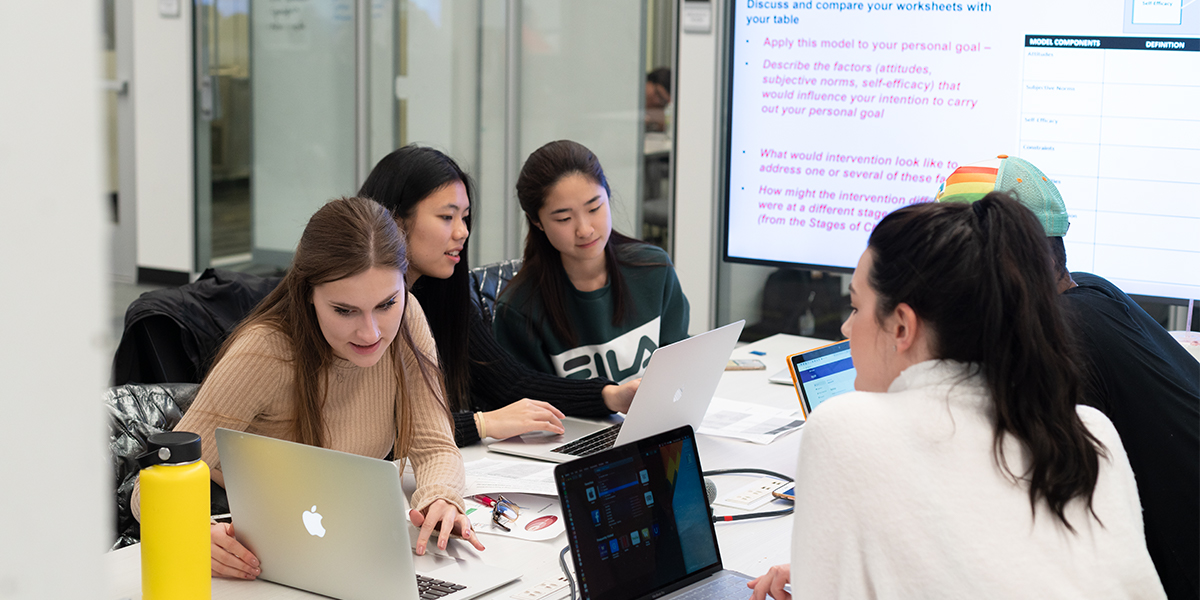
x: 747, y: 546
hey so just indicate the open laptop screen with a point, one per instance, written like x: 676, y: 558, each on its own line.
x: 637, y: 518
x: 822, y: 373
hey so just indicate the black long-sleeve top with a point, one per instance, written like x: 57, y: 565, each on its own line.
x: 497, y: 380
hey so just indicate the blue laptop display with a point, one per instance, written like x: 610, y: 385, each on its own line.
x: 822, y: 373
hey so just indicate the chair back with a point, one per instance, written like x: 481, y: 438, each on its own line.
x: 488, y: 281
x: 136, y: 412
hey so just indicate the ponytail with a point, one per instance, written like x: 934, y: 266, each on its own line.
x: 981, y: 276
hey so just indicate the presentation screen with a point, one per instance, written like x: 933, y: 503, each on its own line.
x: 843, y: 111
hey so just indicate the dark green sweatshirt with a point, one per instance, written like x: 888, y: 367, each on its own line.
x: 657, y: 315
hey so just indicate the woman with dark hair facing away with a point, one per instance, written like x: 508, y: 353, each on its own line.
x: 964, y: 465
x: 588, y: 301
x: 430, y: 197
x: 337, y: 356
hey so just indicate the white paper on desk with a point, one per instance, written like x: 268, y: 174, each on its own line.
x: 751, y: 422
x: 540, y: 517
x: 488, y: 476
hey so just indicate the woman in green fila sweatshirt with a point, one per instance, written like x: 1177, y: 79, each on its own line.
x: 588, y: 301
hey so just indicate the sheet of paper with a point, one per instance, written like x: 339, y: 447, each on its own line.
x: 540, y: 517
x: 750, y: 422
x: 487, y: 476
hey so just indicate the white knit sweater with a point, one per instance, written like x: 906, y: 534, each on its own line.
x: 899, y: 496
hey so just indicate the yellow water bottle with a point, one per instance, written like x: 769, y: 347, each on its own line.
x: 176, y: 539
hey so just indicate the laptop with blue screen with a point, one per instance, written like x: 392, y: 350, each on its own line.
x: 822, y: 373
x: 639, y: 524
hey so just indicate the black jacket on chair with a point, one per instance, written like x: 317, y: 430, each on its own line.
x: 172, y: 335
x: 135, y: 412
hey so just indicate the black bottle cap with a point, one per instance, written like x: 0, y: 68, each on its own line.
x: 171, y: 448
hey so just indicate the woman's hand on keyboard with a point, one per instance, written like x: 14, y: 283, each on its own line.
x: 523, y: 416
x: 443, y: 517
x: 772, y: 583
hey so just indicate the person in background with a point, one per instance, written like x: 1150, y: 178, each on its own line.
x: 338, y: 356
x: 964, y: 465
x: 1139, y: 376
x: 588, y: 300
x: 658, y: 96
x: 489, y: 392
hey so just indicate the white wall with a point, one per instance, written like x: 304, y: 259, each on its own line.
x: 696, y: 200
x: 53, y: 263
x: 161, y: 89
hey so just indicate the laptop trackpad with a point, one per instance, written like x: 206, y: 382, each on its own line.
x: 575, y: 429
x: 455, y: 566
x: 434, y: 556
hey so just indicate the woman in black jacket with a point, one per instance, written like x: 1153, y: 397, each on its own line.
x: 490, y: 393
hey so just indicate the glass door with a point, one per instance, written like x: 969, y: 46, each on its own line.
x: 303, y: 117
x: 118, y: 110
x: 223, y: 133
x: 275, y: 124
x: 582, y: 79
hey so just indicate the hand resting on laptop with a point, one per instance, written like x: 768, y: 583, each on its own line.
x: 229, y: 557
x: 443, y: 516
x: 520, y: 417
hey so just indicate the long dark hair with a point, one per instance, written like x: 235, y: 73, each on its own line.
x: 345, y: 237
x: 399, y: 182
x: 542, y: 265
x: 981, y: 276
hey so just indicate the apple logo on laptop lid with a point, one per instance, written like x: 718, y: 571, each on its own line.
x: 312, y: 522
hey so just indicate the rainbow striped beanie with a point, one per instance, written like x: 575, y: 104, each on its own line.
x: 969, y: 183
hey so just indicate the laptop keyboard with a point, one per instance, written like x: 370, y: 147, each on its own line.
x: 430, y: 588
x: 591, y: 443
x: 721, y: 588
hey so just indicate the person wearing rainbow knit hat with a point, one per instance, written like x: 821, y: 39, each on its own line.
x: 1141, y: 378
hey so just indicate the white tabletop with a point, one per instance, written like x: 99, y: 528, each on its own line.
x: 747, y: 546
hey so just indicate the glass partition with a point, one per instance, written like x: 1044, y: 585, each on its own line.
x: 303, y: 117
x: 582, y: 79
x: 278, y: 111
x: 223, y: 133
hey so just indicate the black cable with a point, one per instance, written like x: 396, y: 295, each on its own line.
x: 748, y: 470
x: 753, y: 515
x: 562, y: 562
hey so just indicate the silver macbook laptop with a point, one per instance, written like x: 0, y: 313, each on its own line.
x: 336, y: 524
x: 783, y: 377
x: 676, y: 390
x: 639, y: 525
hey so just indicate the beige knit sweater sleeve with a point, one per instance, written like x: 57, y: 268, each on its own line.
x: 437, y: 463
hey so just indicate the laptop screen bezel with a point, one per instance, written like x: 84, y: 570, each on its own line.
x: 635, y: 448
x: 794, y: 362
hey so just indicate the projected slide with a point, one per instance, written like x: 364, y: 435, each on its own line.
x: 842, y: 112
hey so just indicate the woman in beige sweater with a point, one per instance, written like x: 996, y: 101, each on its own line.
x: 315, y: 363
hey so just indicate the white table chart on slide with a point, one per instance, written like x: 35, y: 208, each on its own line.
x: 749, y: 546
x: 1114, y: 122
x: 842, y: 111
